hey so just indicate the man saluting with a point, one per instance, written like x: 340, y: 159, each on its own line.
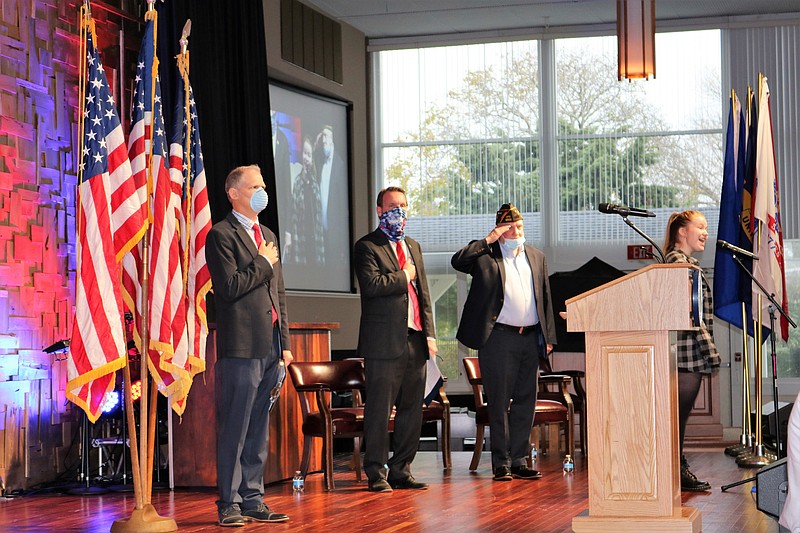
x: 508, y: 318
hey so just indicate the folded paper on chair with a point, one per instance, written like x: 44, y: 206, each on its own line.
x: 433, y: 381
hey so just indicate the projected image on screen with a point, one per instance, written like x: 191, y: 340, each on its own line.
x: 309, y: 141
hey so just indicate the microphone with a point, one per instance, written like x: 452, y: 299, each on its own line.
x: 624, y: 211
x: 735, y: 249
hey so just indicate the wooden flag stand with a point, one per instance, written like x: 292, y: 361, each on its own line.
x: 632, y: 400
x: 144, y: 518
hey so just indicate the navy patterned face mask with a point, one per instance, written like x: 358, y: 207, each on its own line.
x: 393, y: 223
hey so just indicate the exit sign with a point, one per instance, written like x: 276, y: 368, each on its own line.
x: 640, y: 252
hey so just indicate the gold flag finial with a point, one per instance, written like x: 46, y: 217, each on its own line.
x: 184, y: 40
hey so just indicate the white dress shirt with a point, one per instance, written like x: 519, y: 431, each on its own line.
x: 519, y: 300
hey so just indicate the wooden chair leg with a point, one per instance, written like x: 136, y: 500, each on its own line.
x: 327, y: 458
x: 476, y: 455
x: 544, y: 441
x: 569, y: 436
x: 306, y: 455
x: 357, y: 457
x: 554, y: 435
x: 583, y: 435
x: 446, y: 458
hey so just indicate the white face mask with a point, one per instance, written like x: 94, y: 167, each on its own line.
x: 513, y: 244
x: 259, y: 200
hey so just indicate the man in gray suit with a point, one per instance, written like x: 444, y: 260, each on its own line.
x: 508, y: 318
x: 396, y: 339
x: 252, y: 337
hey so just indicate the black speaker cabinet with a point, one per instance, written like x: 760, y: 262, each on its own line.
x: 771, y: 487
x: 770, y: 424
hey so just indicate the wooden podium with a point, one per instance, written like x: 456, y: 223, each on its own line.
x: 632, y: 401
x: 195, y: 436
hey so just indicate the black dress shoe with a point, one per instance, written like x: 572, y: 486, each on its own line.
x: 230, y: 516
x: 502, y: 473
x: 408, y: 483
x: 523, y: 472
x: 379, y: 485
x: 262, y: 514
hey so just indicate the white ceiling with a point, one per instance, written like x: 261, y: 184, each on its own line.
x: 387, y: 19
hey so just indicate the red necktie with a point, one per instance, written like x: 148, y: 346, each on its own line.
x: 259, y: 239
x: 412, y: 293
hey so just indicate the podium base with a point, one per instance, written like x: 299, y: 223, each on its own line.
x: 689, y: 520
x: 144, y: 520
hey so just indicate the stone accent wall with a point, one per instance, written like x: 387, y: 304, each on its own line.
x: 38, y: 139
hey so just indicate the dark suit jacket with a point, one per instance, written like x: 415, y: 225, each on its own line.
x: 485, y: 299
x: 384, y: 297
x: 245, y: 288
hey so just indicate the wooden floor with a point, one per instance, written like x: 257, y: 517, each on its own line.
x: 460, y: 501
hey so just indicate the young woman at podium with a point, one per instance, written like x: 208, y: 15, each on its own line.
x: 687, y: 233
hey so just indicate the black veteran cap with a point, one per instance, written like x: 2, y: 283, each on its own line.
x: 507, y: 213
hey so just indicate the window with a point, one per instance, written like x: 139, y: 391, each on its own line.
x: 462, y: 129
x: 655, y: 145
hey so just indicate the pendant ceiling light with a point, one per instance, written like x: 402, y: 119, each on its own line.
x: 636, y: 38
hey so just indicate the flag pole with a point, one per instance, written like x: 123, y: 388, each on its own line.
x: 183, y: 68
x: 758, y: 457
x: 150, y: 428
x: 745, y: 439
x: 145, y: 518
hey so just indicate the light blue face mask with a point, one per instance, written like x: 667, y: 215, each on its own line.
x: 512, y: 244
x: 259, y: 200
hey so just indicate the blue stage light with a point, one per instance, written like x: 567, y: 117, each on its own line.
x: 110, y: 402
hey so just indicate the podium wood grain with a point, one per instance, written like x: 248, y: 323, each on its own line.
x: 632, y: 401
x: 194, y: 436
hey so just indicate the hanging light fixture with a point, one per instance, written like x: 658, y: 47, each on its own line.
x: 636, y: 38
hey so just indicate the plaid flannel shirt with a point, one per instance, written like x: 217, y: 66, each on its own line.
x: 696, y: 350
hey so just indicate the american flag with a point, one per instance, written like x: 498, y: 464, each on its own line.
x: 97, y: 346
x: 168, y: 341
x: 768, y: 235
x: 186, y: 161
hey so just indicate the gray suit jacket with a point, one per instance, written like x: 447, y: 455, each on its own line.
x: 245, y: 288
x: 485, y: 299
x: 384, y: 297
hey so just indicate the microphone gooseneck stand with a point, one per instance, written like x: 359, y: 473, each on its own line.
x: 661, y: 258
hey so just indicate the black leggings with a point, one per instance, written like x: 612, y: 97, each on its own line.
x: 688, y: 387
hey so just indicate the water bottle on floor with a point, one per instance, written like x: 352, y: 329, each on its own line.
x: 298, y: 483
x: 534, y: 453
x: 569, y: 465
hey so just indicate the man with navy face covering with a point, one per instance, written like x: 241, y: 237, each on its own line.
x: 252, y: 337
x: 508, y: 318
x: 396, y: 338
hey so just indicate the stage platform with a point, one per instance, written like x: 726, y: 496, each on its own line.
x: 459, y: 501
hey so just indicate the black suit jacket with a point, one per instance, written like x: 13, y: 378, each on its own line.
x: 384, y: 297
x: 245, y: 289
x: 485, y: 299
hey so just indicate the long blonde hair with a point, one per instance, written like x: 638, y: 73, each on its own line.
x: 676, y: 222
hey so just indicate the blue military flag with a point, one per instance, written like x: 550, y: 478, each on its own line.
x: 727, y: 273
